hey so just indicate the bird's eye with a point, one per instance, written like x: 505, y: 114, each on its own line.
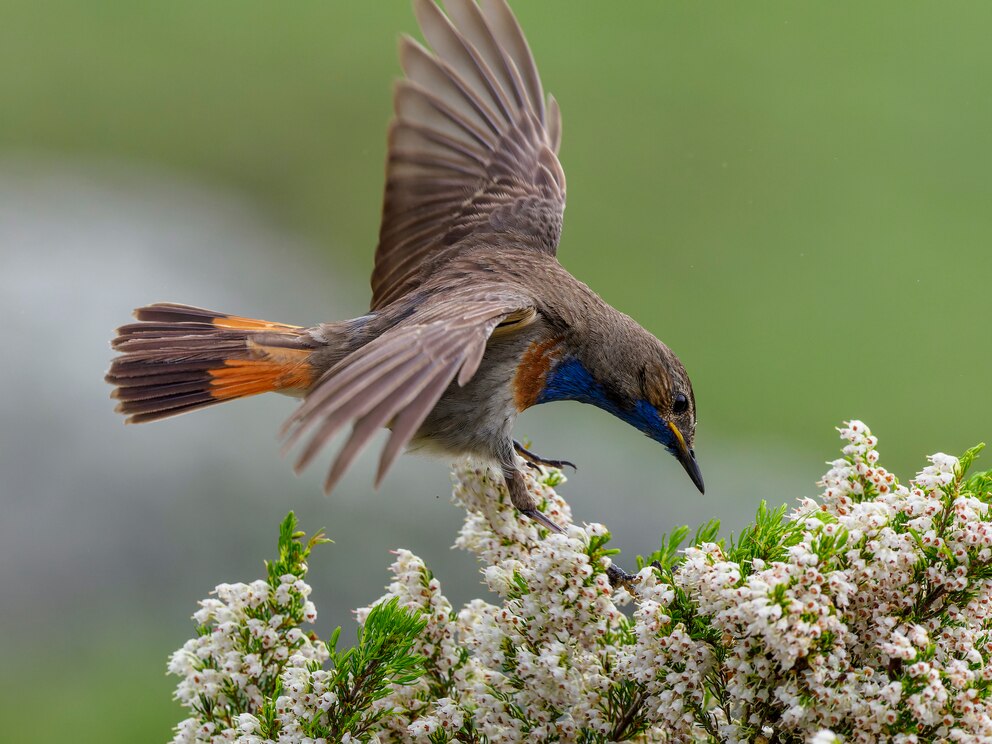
x: 680, y: 404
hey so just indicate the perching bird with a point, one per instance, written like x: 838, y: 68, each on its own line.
x: 472, y: 319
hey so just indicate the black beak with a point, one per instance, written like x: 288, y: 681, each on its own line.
x: 687, y: 457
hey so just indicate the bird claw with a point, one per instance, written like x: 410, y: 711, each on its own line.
x: 618, y: 577
x: 542, y: 519
x: 537, y: 462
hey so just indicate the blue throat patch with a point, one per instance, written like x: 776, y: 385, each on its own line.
x: 570, y: 380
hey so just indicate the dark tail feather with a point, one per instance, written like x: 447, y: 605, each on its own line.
x: 179, y: 358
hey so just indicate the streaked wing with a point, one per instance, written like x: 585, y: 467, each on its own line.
x: 473, y: 146
x: 398, y: 378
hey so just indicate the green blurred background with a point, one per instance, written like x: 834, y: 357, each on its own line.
x: 794, y: 196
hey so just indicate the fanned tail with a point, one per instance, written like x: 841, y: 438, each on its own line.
x: 178, y: 358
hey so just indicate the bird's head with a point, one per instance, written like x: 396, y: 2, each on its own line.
x: 664, y: 408
x: 641, y: 382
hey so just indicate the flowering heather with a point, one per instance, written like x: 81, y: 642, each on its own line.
x: 252, y: 675
x: 861, y: 616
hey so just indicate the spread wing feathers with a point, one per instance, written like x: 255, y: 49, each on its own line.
x: 396, y: 380
x: 472, y: 148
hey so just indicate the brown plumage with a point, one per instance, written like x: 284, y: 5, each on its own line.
x: 472, y: 317
x: 473, y: 147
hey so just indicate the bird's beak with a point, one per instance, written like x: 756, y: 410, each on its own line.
x: 687, y: 457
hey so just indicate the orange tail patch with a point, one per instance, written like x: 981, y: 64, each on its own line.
x: 241, y: 377
x: 179, y: 358
x: 238, y: 323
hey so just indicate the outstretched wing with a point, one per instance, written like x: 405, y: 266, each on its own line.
x: 398, y: 378
x: 473, y: 147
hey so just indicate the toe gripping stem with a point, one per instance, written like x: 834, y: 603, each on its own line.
x: 526, y: 505
x: 524, y: 502
x: 618, y: 577
x: 542, y: 519
x: 537, y: 462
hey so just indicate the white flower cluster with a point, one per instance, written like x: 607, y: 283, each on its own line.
x: 863, y: 616
x: 248, y: 642
x: 549, y: 631
x: 418, y: 590
x: 866, y: 616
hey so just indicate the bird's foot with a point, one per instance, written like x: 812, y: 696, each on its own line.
x: 542, y: 519
x: 618, y: 577
x: 536, y: 461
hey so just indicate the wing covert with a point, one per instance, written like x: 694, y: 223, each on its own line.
x: 397, y: 379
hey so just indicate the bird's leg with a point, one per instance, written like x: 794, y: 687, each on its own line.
x: 536, y: 461
x: 524, y: 502
x: 521, y: 498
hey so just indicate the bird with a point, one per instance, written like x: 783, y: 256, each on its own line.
x: 472, y: 318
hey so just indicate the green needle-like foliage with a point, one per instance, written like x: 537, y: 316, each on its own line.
x: 864, y: 615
